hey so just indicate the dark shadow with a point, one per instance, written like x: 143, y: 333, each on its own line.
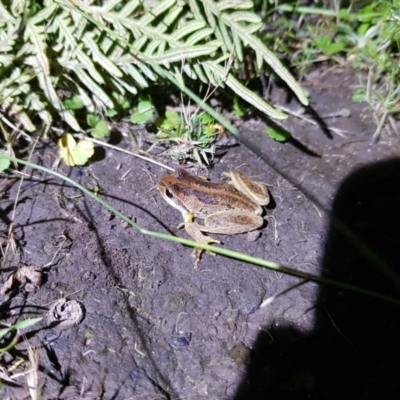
x: 353, y: 351
x: 99, y: 155
x: 321, y: 123
x: 293, y: 141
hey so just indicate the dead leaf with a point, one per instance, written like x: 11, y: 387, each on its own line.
x: 75, y: 153
x: 27, y: 278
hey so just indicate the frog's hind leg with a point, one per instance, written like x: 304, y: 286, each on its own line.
x: 256, y: 191
x: 232, y: 223
x: 194, y: 229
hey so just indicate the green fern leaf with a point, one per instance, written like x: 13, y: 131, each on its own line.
x: 199, y: 36
x: 5, y: 16
x: 171, y: 17
x: 36, y: 34
x: 235, y: 5
x: 87, y: 62
x: 242, y: 91
x: 8, y: 36
x: 18, y: 7
x: 185, y: 53
x: 110, y: 51
x: 128, y: 8
x: 250, y: 30
x: 187, y: 29
x: 270, y: 58
x: 188, y: 69
x: 145, y: 69
x: 93, y: 87
x: 200, y: 73
x: 248, y: 17
x: 100, y: 58
x: 25, y: 121
x: 86, y: 100
x: 123, y: 85
x: 134, y: 73
x: 47, y: 85
x: 63, y: 25
x: 6, y: 60
x: 160, y: 8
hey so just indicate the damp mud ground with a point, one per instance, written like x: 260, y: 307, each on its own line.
x: 154, y: 327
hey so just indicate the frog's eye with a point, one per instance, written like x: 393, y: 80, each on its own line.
x: 168, y: 194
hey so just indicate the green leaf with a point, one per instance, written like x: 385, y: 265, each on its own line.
x: 238, y: 109
x: 325, y: 44
x: 362, y: 29
x: 4, y: 162
x: 93, y: 87
x: 90, y: 40
x: 359, y: 96
x: 88, y: 335
x: 26, y: 323
x: 4, y: 332
x: 125, y: 105
x: 92, y: 120
x: 244, y: 92
x: 20, y: 325
x: 74, y: 153
x: 335, y: 48
x: 206, y: 119
x: 278, y: 134
x: 111, y: 112
x: 185, y: 53
x: 74, y: 103
x: 144, y: 111
x: 101, y: 130
x: 171, y: 120
x: 262, y: 54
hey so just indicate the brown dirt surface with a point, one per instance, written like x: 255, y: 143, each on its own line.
x: 154, y: 327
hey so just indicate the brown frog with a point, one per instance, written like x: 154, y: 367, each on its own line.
x: 227, y: 208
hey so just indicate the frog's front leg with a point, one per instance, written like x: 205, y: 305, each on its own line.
x: 193, y: 229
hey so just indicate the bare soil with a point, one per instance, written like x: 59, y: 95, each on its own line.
x: 155, y: 327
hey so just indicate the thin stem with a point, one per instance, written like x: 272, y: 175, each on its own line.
x: 225, y: 252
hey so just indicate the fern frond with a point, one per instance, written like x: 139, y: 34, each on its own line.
x: 34, y: 102
x: 35, y: 32
x: 199, y: 36
x: 12, y: 90
x: 94, y: 88
x: 99, y: 57
x: 218, y: 72
x: 8, y: 36
x: 85, y: 97
x: 18, y: 6
x: 116, y: 47
x: 156, y: 11
x: 235, y: 5
x: 184, y: 54
x: 5, y: 16
x: 128, y: 8
x: 47, y: 85
x: 131, y: 70
x: 223, y: 16
x: 187, y: 29
x: 123, y: 86
x: 63, y: 25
